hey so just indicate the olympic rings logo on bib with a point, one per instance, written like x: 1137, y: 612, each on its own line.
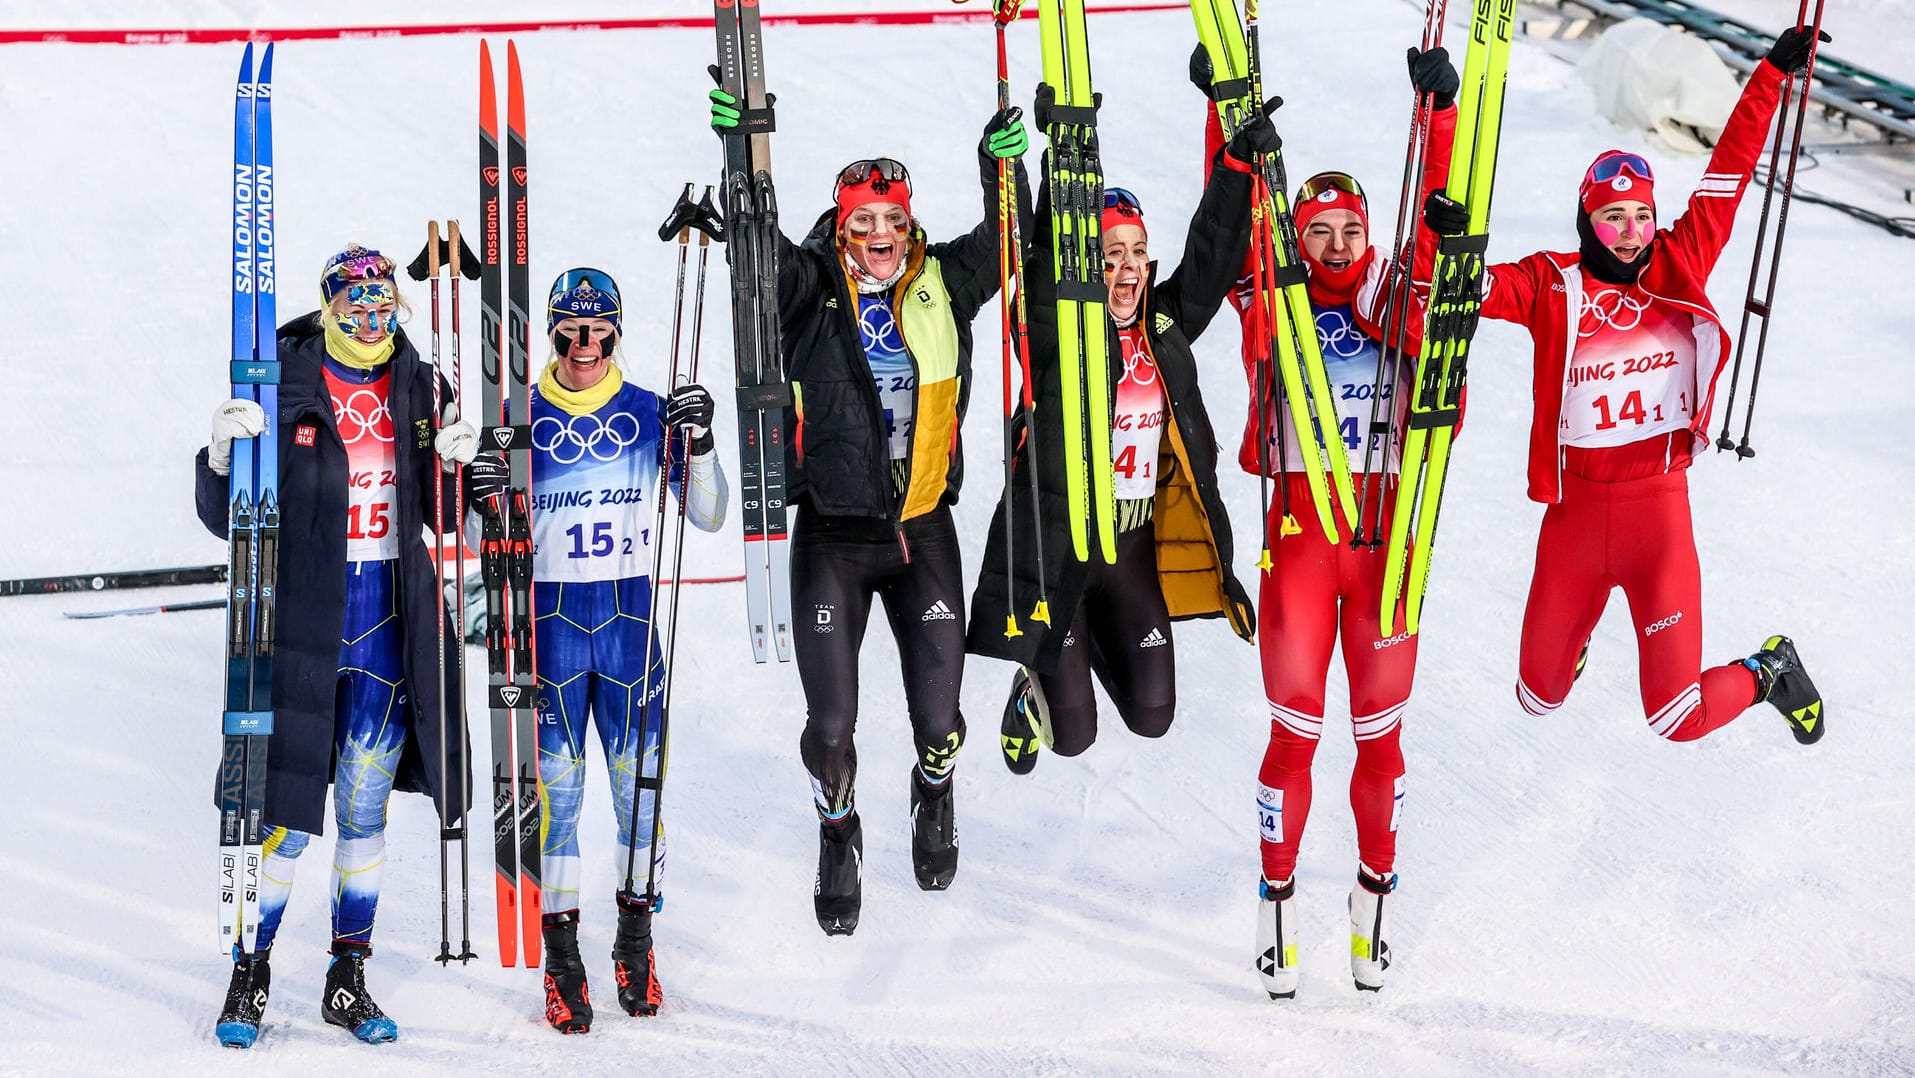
x: 1139, y: 368
x: 567, y: 441
x: 1339, y: 335
x: 878, y: 328
x: 1612, y: 308
x: 377, y: 423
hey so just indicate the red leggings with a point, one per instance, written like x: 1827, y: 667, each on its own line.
x: 1636, y: 535
x: 1314, y: 590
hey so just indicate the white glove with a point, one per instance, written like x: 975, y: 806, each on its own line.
x: 457, y: 443
x: 235, y: 418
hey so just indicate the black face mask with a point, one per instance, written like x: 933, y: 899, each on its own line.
x: 1602, y: 264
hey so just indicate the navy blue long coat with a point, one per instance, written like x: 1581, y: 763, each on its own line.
x: 312, y: 585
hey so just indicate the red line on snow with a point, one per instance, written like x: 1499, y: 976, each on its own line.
x: 326, y: 33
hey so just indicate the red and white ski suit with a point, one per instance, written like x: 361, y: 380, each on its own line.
x: 1622, y: 402
x: 1316, y: 590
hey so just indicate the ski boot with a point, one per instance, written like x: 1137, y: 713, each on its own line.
x: 638, y: 990
x: 838, y: 892
x: 346, y: 1003
x: 1369, y: 950
x: 238, y: 1025
x: 934, y: 839
x: 568, y: 1003
x: 1780, y: 679
x: 1277, y: 938
x: 1025, y: 724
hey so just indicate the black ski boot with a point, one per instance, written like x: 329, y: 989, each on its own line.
x: 346, y: 1003
x: 638, y: 990
x: 1780, y: 679
x: 238, y: 1025
x: 934, y: 840
x: 838, y: 892
x: 568, y: 1003
x: 1021, y: 732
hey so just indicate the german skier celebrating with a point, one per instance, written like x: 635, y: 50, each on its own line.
x: 355, y: 662
x: 1317, y: 590
x: 601, y: 447
x: 1174, y: 541
x: 877, y: 348
x: 1627, y: 353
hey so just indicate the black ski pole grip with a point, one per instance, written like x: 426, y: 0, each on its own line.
x: 680, y: 216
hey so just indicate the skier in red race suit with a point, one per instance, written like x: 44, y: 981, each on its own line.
x: 1627, y: 354
x: 1316, y: 588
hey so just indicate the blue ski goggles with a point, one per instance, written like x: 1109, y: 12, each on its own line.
x: 1119, y: 198
x: 1613, y: 164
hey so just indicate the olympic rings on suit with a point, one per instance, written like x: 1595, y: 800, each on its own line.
x: 1612, y: 308
x: 878, y: 328
x: 567, y: 441
x: 1340, y: 336
x: 377, y: 422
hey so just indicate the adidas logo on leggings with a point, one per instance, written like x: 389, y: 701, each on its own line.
x: 1155, y: 639
x: 938, y: 612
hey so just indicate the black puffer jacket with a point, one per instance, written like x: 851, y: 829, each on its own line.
x: 312, y: 582
x: 837, y: 457
x: 1194, y: 547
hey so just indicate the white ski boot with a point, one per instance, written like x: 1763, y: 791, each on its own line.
x: 1277, y: 938
x: 1369, y: 949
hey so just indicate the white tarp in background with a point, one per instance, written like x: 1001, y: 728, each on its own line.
x: 1650, y: 78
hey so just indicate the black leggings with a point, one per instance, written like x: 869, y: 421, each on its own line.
x: 1122, y: 632
x: 837, y: 564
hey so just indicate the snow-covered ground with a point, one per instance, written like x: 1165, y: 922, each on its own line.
x: 1577, y: 895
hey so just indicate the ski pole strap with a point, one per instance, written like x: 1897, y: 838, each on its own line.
x: 763, y: 396
x: 1228, y: 90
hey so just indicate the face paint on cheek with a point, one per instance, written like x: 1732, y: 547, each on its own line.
x: 348, y: 324
x: 1645, y: 230
x: 1609, y: 235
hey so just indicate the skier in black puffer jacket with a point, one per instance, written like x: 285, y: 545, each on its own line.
x: 876, y: 341
x: 1174, y: 543
x: 356, y: 689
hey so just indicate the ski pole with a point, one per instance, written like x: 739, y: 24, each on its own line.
x: 426, y: 268
x: 1009, y: 277
x: 462, y: 263
x: 677, y: 221
x: 1400, y: 293
x: 708, y: 224
x: 1799, y: 85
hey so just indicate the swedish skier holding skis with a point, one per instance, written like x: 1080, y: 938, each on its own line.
x: 355, y: 660
x: 601, y: 445
x: 877, y: 348
x: 1627, y: 353
x: 1174, y: 544
x: 1316, y: 591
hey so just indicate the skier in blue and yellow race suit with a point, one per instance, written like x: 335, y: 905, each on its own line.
x: 599, y: 446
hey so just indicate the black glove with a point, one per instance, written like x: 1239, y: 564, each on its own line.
x: 1259, y: 135
x: 1790, y: 53
x: 1432, y: 73
x: 1201, y: 72
x: 1444, y: 216
x: 486, y: 477
x: 690, y: 409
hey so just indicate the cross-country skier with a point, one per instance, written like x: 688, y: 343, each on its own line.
x: 1627, y: 353
x: 1316, y: 590
x: 599, y: 445
x: 355, y: 668
x: 1174, y: 542
x: 877, y: 347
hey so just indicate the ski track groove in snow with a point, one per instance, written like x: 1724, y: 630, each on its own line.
x: 1578, y: 896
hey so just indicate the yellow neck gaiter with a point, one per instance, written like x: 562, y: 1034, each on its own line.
x: 352, y: 351
x: 583, y: 401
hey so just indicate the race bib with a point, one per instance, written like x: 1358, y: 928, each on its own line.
x: 594, y: 488
x: 1633, y: 372
x: 891, y: 372
x: 1137, y: 427
x: 365, y: 426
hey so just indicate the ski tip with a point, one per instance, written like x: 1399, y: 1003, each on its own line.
x: 246, y: 64
x: 515, y: 88
x: 266, y: 64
